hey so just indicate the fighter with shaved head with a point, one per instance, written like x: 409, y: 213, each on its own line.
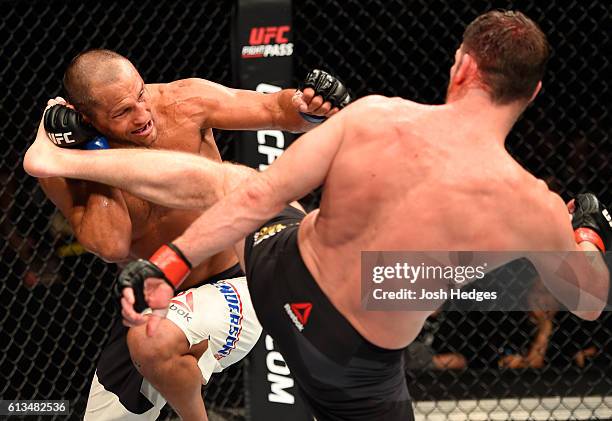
x: 110, y: 106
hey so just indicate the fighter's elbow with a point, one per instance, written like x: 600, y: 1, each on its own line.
x: 588, y: 315
x: 32, y: 165
x: 112, y: 255
x: 109, y: 249
x: 262, y: 196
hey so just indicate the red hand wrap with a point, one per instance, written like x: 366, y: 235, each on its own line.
x: 587, y: 234
x: 174, y: 266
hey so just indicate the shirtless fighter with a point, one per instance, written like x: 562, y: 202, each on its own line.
x: 205, y: 330
x: 397, y: 175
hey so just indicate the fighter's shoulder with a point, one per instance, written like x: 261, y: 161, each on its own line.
x: 378, y: 114
x: 192, y: 97
x: 544, y: 195
x: 550, y: 212
x: 183, y: 89
x: 376, y: 103
x: 371, y: 107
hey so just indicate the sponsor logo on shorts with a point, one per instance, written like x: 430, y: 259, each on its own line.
x: 298, y: 313
x: 234, y: 304
x: 182, y: 304
x: 270, y: 231
x: 268, y: 41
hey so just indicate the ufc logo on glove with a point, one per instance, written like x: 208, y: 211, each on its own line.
x: 61, y: 138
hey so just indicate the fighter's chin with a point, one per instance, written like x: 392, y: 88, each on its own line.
x: 152, y: 138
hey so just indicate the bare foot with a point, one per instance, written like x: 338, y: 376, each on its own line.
x: 40, y: 158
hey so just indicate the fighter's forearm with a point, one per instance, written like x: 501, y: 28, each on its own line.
x: 229, y: 220
x: 578, y: 279
x: 594, y: 288
x: 288, y: 117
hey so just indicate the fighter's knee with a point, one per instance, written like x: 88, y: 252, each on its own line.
x: 147, y: 351
x: 136, y: 341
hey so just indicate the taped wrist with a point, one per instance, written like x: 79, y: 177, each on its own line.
x: 313, y: 118
x: 172, y: 262
x: 587, y: 234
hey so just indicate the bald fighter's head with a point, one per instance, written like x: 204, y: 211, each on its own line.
x: 503, y: 52
x: 108, y: 90
x: 90, y: 69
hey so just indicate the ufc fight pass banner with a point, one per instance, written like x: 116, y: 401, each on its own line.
x: 262, y: 60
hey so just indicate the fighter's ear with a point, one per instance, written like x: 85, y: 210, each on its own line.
x: 465, y: 68
x: 536, y: 91
x: 456, y: 62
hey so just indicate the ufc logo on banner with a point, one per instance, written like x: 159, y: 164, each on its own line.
x: 264, y: 35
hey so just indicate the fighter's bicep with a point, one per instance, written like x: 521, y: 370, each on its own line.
x: 226, y: 108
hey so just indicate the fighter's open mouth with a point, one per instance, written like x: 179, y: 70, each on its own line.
x: 144, y: 128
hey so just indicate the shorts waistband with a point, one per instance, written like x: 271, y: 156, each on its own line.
x: 232, y: 272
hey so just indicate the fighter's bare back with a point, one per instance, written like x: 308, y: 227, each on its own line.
x: 423, y: 162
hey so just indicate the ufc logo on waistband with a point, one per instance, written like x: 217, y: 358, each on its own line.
x: 266, y: 34
x: 61, y: 138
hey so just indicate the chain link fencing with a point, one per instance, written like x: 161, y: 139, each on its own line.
x: 56, y: 300
x: 57, y: 303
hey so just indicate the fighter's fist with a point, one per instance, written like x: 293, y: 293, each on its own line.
x: 591, y: 221
x: 328, y: 86
x: 320, y: 96
x: 168, y: 264
x: 65, y: 127
x: 133, y: 276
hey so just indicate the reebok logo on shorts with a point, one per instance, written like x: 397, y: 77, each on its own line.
x: 182, y: 304
x: 298, y: 313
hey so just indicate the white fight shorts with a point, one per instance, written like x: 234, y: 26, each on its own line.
x: 221, y: 313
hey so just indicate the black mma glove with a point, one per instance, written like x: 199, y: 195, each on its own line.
x: 167, y: 263
x: 592, y: 222
x: 329, y: 87
x: 66, y: 129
